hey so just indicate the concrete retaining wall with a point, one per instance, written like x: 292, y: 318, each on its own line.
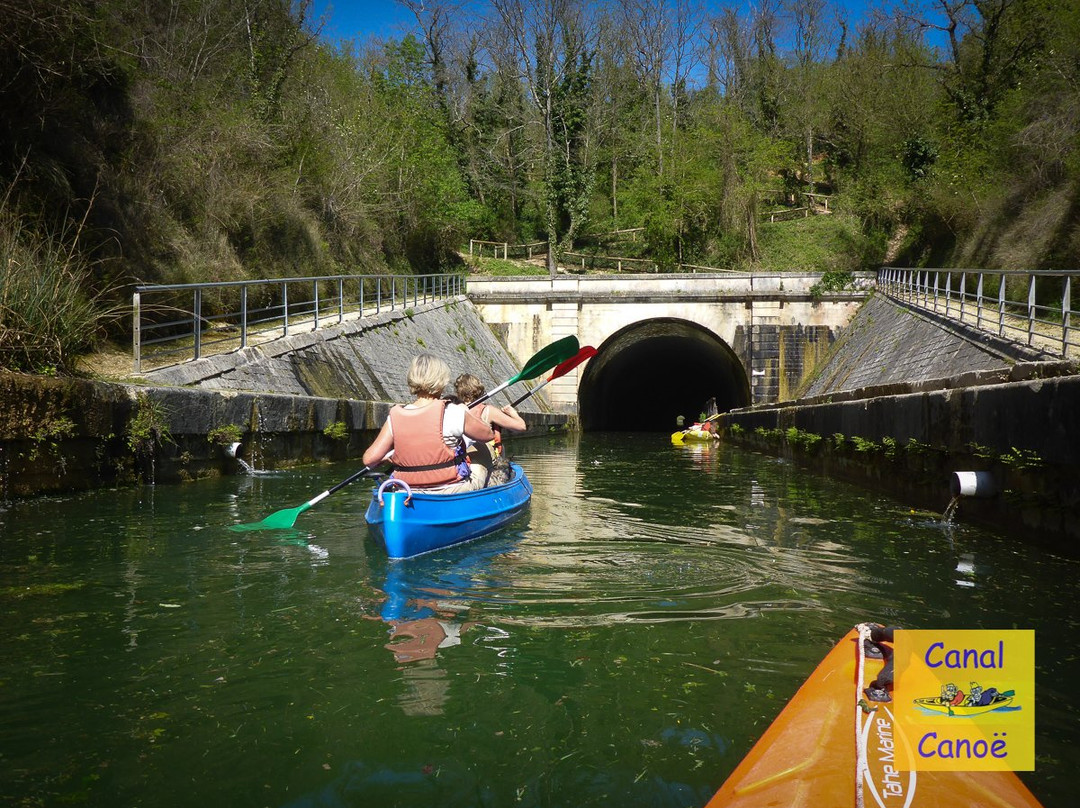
x: 905, y: 402
x: 890, y: 343
x: 360, y: 359
x: 278, y: 399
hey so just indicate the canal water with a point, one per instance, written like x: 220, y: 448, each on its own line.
x: 624, y: 643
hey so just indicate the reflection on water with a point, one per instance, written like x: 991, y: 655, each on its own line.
x: 626, y: 642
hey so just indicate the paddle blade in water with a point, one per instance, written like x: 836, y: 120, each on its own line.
x: 276, y: 521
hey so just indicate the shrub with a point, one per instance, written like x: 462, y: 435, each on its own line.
x: 46, y: 316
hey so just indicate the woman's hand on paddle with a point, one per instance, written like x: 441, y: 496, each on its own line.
x: 506, y: 418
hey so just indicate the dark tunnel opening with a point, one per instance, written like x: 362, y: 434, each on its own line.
x: 649, y: 373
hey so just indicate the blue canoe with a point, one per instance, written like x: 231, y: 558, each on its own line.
x: 409, y: 523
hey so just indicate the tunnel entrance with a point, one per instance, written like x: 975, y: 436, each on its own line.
x: 647, y: 374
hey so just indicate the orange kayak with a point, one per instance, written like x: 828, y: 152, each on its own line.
x: 808, y: 757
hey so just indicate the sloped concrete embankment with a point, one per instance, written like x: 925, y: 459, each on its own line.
x: 966, y: 403
x: 314, y: 396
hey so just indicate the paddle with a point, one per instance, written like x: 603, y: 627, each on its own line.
x: 542, y: 360
x: 287, y: 517
x: 588, y: 352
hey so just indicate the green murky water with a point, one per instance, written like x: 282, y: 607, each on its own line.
x: 626, y: 642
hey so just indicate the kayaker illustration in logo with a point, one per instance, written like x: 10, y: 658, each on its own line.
x: 953, y: 701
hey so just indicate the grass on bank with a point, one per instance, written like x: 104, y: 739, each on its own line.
x: 823, y: 243
x: 47, y: 316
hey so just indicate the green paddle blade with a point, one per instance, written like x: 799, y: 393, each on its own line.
x: 547, y: 358
x: 275, y: 521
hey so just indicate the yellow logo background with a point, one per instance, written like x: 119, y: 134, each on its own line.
x: 959, y: 733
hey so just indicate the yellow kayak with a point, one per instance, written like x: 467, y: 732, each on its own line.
x: 809, y: 754
x: 692, y: 436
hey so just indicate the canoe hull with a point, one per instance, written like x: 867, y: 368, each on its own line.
x: 808, y: 755
x: 430, y: 522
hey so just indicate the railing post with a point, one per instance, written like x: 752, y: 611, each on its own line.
x: 285, y: 308
x: 340, y: 299
x: 979, y: 302
x: 470, y: 248
x: 243, y: 315
x: 506, y: 251
x: 136, y: 330
x: 937, y: 284
x: 948, y: 292
x: 361, y: 296
x: 1031, y: 308
x: 378, y: 293
x: 393, y: 291
x: 1001, y: 305
x: 963, y: 293
x: 197, y: 322
x: 316, y: 328
x: 1066, y: 315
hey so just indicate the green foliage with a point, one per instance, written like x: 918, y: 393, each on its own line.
x: 1021, y: 458
x: 864, y: 446
x: 148, y: 428
x: 498, y: 267
x: 48, y: 315
x: 336, y: 431
x: 47, y: 435
x: 808, y: 442
x: 833, y: 280
x: 232, y: 143
x: 915, y: 447
x: 833, y: 244
x: 225, y: 435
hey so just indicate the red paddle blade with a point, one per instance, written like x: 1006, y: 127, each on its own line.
x: 561, y: 370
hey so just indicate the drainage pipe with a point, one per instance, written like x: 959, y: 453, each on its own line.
x: 978, y: 484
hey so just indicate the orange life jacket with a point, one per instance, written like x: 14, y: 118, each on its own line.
x: 421, y: 458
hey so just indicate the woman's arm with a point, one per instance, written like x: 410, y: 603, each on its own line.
x: 507, y: 418
x: 477, y: 429
x: 379, y: 447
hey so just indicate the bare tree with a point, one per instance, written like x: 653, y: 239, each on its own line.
x: 811, y: 41
x: 550, y: 43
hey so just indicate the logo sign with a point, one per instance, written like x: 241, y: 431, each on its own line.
x: 965, y: 700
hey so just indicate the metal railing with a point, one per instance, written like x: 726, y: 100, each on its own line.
x: 176, y: 322
x: 1033, y: 307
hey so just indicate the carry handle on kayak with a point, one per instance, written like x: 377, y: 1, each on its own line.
x: 393, y: 481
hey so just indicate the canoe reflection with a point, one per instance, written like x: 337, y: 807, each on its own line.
x: 427, y: 603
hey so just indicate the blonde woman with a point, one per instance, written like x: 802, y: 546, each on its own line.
x: 427, y: 435
x: 483, y: 455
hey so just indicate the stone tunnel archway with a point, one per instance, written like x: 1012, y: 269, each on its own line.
x: 647, y: 373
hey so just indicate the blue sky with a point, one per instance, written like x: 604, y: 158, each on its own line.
x: 360, y: 19
x: 386, y: 19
